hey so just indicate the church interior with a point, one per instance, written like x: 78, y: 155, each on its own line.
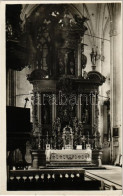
x: 63, y: 96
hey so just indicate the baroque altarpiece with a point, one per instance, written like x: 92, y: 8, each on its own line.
x: 65, y: 99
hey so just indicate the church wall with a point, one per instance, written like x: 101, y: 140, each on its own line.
x: 116, y: 78
x: 105, y: 70
x: 103, y: 66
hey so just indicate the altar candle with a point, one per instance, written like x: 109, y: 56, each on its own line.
x: 58, y: 129
x: 88, y: 137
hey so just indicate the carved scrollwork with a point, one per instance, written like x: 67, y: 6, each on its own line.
x: 97, y: 77
x: 37, y: 74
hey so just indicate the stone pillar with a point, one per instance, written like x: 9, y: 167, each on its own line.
x: 11, y: 88
x: 116, y: 77
x: 100, y: 119
x: 66, y: 59
x: 93, y: 102
x: 79, y: 61
x: 79, y: 107
x: 33, y: 108
x: 53, y: 107
x: 39, y: 108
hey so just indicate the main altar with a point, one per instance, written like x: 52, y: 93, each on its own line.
x: 68, y: 157
x: 65, y: 106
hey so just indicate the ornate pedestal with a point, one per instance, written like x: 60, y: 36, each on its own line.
x: 97, y: 157
x: 38, y: 158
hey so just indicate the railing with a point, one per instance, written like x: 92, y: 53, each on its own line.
x: 50, y: 179
x: 45, y: 179
x: 58, y: 179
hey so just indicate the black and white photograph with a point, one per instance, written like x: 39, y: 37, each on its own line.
x: 63, y: 97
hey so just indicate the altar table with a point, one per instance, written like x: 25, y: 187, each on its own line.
x: 68, y: 156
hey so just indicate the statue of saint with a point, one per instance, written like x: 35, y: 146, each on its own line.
x: 93, y: 56
x: 72, y: 68
x: 61, y: 66
x: 85, y: 116
x: 71, y: 63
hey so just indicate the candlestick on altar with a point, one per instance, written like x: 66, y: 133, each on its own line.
x: 43, y: 144
x: 51, y: 142
x: 84, y: 144
x: 55, y: 142
x: 58, y: 129
x: 95, y: 138
x: 88, y: 137
x: 47, y: 138
x: 39, y: 141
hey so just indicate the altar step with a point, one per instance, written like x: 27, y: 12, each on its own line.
x: 86, y: 167
x: 71, y: 164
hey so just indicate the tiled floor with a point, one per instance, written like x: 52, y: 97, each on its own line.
x: 111, y: 173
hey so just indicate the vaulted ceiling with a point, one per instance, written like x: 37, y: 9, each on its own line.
x: 97, y: 13
x: 98, y: 24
